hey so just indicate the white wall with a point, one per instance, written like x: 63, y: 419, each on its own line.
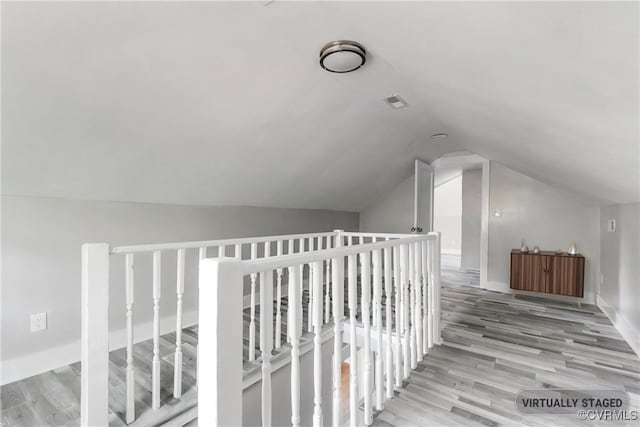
x: 41, y: 240
x: 447, y: 214
x: 393, y: 213
x: 619, y: 295
x: 471, y: 218
x: 545, y: 216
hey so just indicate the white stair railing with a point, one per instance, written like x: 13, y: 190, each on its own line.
x: 377, y: 273
x: 394, y: 318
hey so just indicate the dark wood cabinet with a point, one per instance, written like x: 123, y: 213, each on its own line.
x: 548, y: 272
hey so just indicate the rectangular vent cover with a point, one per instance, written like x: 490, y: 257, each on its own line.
x: 395, y: 102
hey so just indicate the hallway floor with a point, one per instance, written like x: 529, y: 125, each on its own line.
x: 494, y: 345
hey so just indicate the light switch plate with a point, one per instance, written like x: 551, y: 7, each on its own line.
x: 38, y: 322
x: 611, y: 225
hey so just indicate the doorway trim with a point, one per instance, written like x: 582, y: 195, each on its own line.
x: 421, y: 168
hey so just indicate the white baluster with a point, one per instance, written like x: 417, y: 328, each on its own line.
x: 404, y: 283
x: 290, y: 306
x: 237, y: 252
x: 311, y: 291
x: 252, y: 313
x: 397, y: 288
x: 353, y: 339
x: 389, y: 320
x: 131, y: 401
x: 429, y: 295
x: 202, y: 254
x: 327, y: 300
x: 222, y: 251
x: 365, y: 279
x: 317, y: 343
x: 377, y: 300
x: 417, y: 267
x: 279, y: 298
x: 426, y: 334
x: 294, y: 330
x: 157, y: 274
x: 437, y: 334
x: 412, y: 309
x: 431, y: 260
x: 266, y: 339
x: 177, y: 370
x: 337, y: 270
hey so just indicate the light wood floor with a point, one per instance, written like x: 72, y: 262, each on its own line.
x: 494, y: 345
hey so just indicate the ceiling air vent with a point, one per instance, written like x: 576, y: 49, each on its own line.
x: 395, y: 102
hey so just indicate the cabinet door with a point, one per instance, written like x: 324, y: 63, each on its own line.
x: 566, y: 276
x: 528, y: 272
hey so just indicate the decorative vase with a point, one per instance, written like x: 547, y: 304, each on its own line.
x: 573, y: 249
x: 536, y: 249
x: 523, y: 247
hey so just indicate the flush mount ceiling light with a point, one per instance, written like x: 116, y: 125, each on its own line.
x: 395, y: 102
x: 342, y: 56
x: 438, y: 136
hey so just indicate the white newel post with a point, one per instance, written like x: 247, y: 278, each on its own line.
x: 220, y: 342
x: 94, y: 394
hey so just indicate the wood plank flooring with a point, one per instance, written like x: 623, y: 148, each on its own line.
x: 494, y: 345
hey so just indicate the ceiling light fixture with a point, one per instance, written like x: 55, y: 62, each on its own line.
x: 437, y: 136
x: 342, y: 56
x: 395, y: 101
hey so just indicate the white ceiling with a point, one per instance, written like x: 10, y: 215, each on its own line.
x: 220, y: 103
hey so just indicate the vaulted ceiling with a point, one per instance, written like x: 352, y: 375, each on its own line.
x: 224, y: 103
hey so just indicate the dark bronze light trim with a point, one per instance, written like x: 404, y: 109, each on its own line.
x: 342, y: 46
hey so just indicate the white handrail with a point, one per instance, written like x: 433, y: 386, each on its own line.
x: 409, y: 271
x: 265, y: 264
x: 207, y: 243
x: 380, y: 235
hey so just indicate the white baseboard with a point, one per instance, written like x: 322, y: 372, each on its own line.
x: 66, y: 354
x: 630, y: 334
x: 451, y: 252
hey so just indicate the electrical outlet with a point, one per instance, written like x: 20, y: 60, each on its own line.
x: 38, y: 322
